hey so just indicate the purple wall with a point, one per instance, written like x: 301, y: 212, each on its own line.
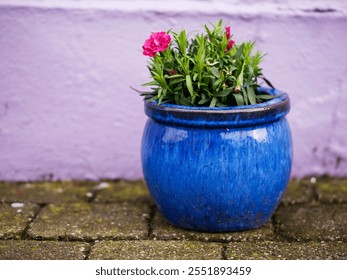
x: 66, y: 109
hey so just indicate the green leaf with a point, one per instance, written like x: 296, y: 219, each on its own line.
x: 245, y: 97
x: 215, y: 72
x: 251, y: 95
x: 267, y: 96
x: 175, y: 76
x: 152, y: 83
x: 160, y: 99
x: 217, y: 83
x: 240, y: 76
x: 189, y: 85
x: 239, y: 99
x: 223, y: 93
x: 172, y: 82
x: 152, y: 98
x: 213, y: 102
x: 239, y: 52
x: 250, y: 69
x: 159, y: 93
x: 182, y: 42
x: 220, y: 104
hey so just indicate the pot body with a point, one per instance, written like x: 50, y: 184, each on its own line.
x: 217, y: 169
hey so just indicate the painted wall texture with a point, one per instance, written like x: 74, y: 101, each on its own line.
x: 66, y: 109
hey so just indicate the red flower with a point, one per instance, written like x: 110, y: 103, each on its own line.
x: 227, y: 31
x: 157, y: 42
x: 230, y: 45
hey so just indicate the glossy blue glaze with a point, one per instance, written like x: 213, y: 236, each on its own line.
x: 217, y: 169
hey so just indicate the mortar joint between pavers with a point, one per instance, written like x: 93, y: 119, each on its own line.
x: 224, y: 252
x: 24, y: 234
x: 278, y: 231
x: 315, y: 193
x: 94, y: 194
x: 89, y: 250
x: 152, y: 210
x: 334, y: 202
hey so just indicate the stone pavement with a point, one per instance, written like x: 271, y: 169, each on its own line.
x: 118, y: 220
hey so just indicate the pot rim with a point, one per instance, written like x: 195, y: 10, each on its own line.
x: 232, y: 116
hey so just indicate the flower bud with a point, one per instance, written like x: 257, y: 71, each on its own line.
x: 172, y: 72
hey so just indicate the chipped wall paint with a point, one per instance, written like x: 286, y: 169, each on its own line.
x: 66, y: 109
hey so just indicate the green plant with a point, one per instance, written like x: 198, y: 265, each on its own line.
x: 206, y: 70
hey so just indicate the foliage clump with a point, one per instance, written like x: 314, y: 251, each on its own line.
x: 206, y: 70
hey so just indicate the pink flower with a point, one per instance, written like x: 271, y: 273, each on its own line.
x: 230, y: 45
x: 157, y: 42
x: 227, y: 31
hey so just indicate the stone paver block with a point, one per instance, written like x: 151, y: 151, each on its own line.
x: 332, y: 190
x: 162, y: 230
x: 156, y: 250
x: 47, y: 192
x: 122, y: 191
x: 42, y: 250
x: 14, y: 218
x: 298, y: 191
x: 87, y: 221
x: 312, y: 222
x: 286, y: 251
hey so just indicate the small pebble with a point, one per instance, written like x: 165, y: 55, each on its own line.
x: 17, y: 205
x: 101, y: 186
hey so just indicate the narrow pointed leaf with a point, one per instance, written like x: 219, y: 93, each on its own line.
x: 239, y: 99
x: 213, y: 102
x: 251, y: 95
x: 267, y: 96
x: 189, y: 85
x: 215, y: 72
x: 152, y: 83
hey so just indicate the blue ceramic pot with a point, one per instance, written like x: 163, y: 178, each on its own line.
x: 217, y: 169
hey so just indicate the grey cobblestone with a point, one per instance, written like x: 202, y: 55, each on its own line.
x: 313, y: 222
x: 332, y: 190
x: 298, y: 191
x: 42, y: 250
x: 121, y: 191
x: 85, y: 221
x: 156, y: 250
x: 286, y: 251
